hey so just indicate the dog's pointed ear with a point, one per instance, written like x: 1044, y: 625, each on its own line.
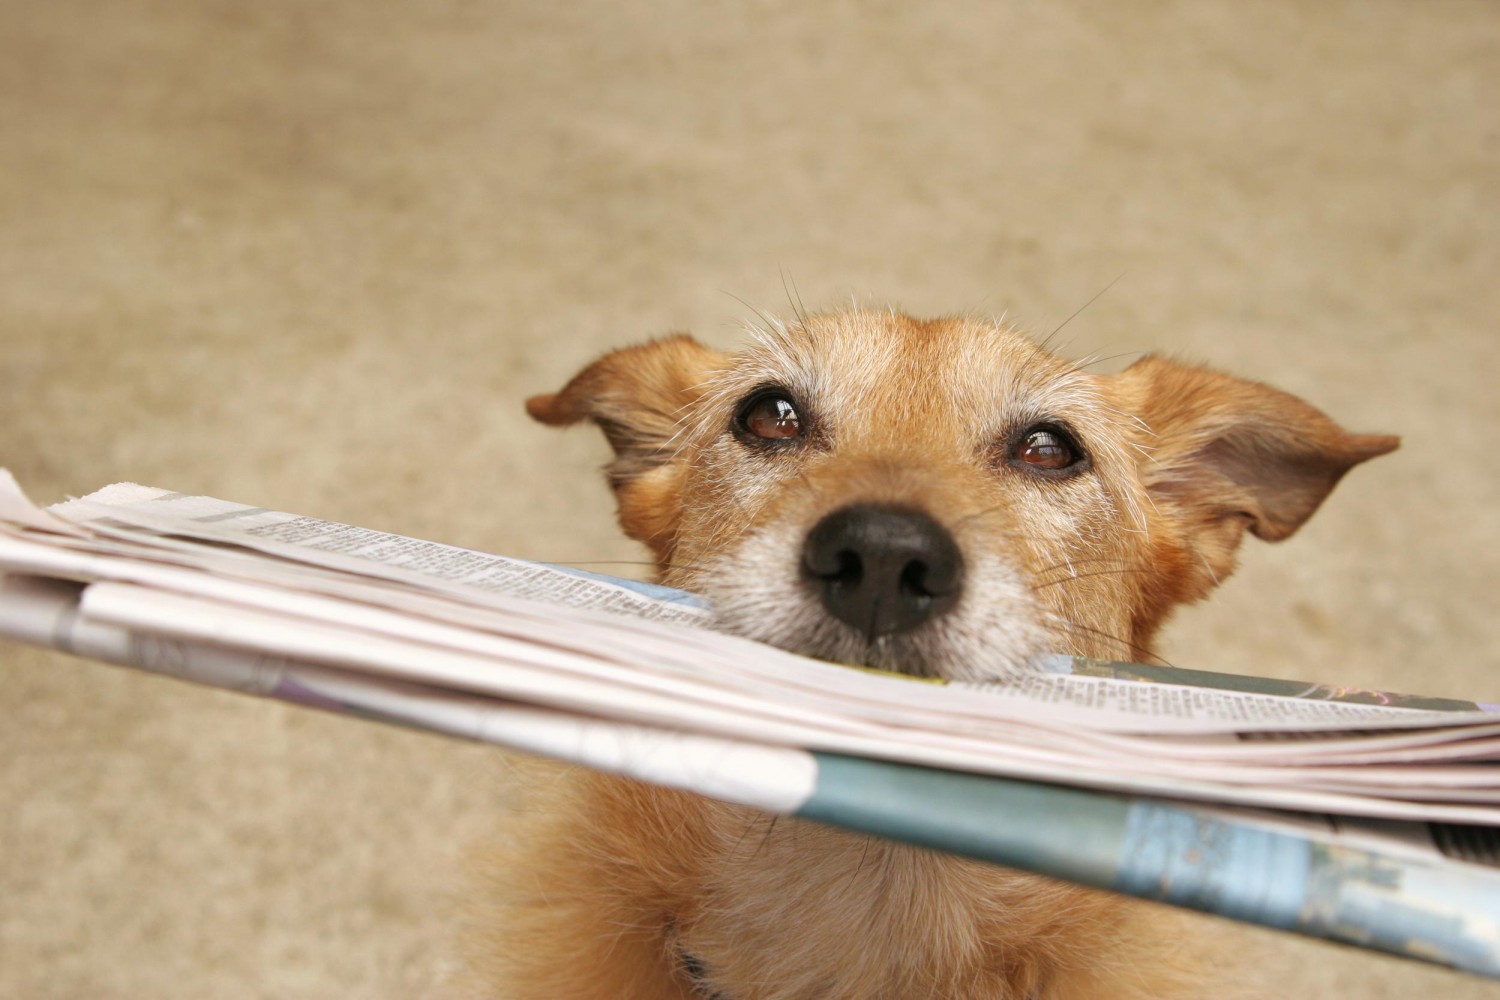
x: 1231, y: 454
x: 639, y: 397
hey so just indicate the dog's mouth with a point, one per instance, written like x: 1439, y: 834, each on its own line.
x: 966, y: 647
x: 843, y: 647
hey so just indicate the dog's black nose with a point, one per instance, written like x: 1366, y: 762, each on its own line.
x: 882, y: 570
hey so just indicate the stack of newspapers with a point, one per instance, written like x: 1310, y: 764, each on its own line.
x: 1360, y: 816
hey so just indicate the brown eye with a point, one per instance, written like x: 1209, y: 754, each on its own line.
x: 1046, y: 449
x: 769, y: 417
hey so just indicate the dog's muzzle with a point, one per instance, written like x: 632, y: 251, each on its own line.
x: 882, y: 570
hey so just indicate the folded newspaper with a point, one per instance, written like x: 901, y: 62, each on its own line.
x: 1359, y: 816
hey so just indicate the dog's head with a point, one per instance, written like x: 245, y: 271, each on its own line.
x: 945, y: 497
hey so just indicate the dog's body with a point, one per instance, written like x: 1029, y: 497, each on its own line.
x: 942, y: 498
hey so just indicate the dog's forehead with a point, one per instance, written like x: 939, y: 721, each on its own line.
x: 864, y: 365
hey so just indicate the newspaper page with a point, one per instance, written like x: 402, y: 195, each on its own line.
x: 631, y: 679
x: 197, y: 570
x: 139, y: 513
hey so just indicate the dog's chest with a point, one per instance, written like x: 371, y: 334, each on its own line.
x: 824, y: 913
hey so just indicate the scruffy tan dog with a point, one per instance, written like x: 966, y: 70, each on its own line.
x: 942, y: 498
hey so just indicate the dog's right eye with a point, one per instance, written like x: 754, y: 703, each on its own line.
x: 1049, y: 450
x: 768, y: 417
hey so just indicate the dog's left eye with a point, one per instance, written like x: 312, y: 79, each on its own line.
x: 771, y: 416
x: 1046, y: 449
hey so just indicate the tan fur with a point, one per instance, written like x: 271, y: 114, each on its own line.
x: 612, y: 883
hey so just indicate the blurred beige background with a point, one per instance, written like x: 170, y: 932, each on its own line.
x: 312, y: 256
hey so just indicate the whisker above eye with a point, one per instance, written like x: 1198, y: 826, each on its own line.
x: 1097, y: 295
x: 770, y: 322
x: 793, y: 297
x: 1084, y: 364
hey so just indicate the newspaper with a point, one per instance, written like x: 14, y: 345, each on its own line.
x: 633, y: 678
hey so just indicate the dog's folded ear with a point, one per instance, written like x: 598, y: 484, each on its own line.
x: 1234, y: 454
x: 640, y: 397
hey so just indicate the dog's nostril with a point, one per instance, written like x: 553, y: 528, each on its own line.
x: 851, y: 569
x: 882, y: 570
x: 836, y: 567
x: 913, y: 580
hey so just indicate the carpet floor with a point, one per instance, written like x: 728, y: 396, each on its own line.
x: 313, y: 257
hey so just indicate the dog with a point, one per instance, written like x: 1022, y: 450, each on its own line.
x: 944, y: 498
